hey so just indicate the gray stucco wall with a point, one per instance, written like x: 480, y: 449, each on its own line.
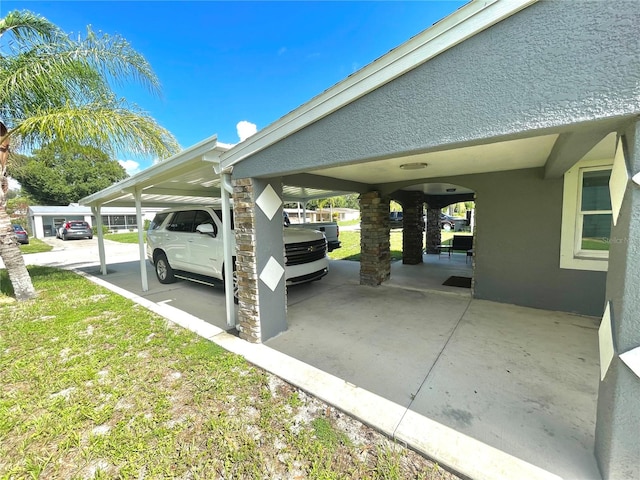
x: 518, y: 219
x: 555, y: 63
x: 618, y: 420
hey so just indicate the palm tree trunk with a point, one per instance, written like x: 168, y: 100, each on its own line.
x: 13, y: 261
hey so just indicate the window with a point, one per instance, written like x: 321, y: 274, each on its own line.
x: 594, y: 213
x: 182, y: 222
x: 586, y: 217
x: 158, y: 220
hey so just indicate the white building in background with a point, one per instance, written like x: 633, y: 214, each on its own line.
x: 43, y: 220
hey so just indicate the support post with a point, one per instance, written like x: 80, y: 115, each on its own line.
x: 141, y: 250
x: 375, y: 249
x: 227, y: 245
x: 103, y: 261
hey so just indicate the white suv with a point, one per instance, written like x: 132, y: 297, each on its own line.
x: 186, y: 243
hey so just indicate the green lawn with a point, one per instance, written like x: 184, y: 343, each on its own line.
x: 128, y: 237
x: 96, y: 387
x: 35, y: 246
x: 350, y: 249
x: 595, y: 244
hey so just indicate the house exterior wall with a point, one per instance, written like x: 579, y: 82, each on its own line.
x: 517, y: 244
x: 618, y: 420
x: 555, y: 63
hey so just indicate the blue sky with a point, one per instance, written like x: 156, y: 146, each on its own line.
x: 221, y: 63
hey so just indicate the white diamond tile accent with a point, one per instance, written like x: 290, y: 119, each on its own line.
x: 605, y: 340
x: 632, y: 360
x: 269, y: 202
x: 271, y: 274
x: 618, y: 182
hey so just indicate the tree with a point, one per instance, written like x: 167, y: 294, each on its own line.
x: 54, y: 87
x: 60, y: 173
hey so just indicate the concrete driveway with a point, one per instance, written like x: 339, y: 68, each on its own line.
x: 520, y: 380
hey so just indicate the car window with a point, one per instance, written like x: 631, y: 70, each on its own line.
x: 203, y: 217
x: 158, y: 220
x: 219, y: 214
x: 182, y: 222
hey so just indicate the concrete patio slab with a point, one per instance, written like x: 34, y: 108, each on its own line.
x: 489, y: 390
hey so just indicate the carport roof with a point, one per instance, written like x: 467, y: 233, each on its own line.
x: 190, y: 177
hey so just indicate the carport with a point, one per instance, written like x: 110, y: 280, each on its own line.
x: 511, y: 101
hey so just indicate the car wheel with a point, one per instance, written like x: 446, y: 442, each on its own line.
x: 90, y: 237
x: 164, y: 272
x: 236, y: 288
x: 447, y: 227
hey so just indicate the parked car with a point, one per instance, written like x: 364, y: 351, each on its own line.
x: 395, y: 219
x: 330, y: 229
x: 21, y: 235
x: 447, y: 223
x: 186, y: 243
x: 74, y: 229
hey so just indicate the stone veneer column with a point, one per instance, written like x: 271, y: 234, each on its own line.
x: 259, y: 258
x: 433, y: 238
x: 244, y: 226
x: 617, y: 447
x: 412, y: 228
x: 375, y: 252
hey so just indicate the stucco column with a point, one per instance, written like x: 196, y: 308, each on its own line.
x: 412, y: 228
x: 257, y: 208
x: 433, y: 237
x: 618, y: 417
x: 375, y: 252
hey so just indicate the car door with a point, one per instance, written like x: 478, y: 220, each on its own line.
x: 178, y: 232
x: 206, y: 250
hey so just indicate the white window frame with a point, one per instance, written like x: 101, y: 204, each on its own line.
x: 572, y: 256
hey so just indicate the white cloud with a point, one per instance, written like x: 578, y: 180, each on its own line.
x: 245, y: 129
x: 131, y: 166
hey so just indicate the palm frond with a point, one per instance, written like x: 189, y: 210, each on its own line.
x: 114, y: 56
x: 37, y: 78
x: 107, y: 126
x: 27, y: 27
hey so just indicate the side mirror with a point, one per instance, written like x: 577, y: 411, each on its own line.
x: 206, y: 228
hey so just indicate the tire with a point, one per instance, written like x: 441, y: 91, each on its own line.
x: 236, y: 289
x: 164, y: 272
x: 447, y: 227
x: 236, y: 300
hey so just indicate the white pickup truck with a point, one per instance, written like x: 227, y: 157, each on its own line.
x: 330, y: 229
x: 186, y: 242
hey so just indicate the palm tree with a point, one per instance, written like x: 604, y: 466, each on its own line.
x: 55, y: 87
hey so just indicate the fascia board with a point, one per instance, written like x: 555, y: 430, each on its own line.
x: 466, y: 22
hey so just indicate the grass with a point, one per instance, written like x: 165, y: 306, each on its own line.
x: 595, y: 244
x: 35, y: 246
x: 350, y: 248
x: 95, y: 386
x: 128, y: 237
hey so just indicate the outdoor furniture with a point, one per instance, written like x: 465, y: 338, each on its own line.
x: 460, y: 243
x: 446, y: 248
